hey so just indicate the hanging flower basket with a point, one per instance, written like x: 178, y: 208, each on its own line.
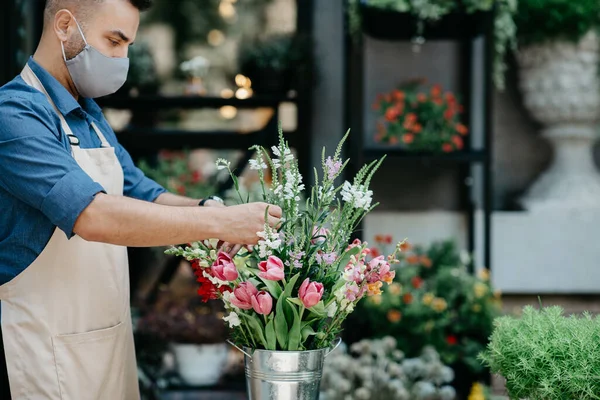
x: 386, y: 24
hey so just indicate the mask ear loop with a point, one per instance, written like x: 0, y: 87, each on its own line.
x: 62, y: 45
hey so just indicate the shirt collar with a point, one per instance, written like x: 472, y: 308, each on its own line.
x: 65, y: 102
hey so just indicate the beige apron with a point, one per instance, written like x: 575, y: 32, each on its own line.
x: 66, y: 320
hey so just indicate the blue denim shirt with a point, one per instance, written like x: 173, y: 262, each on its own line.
x: 41, y: 185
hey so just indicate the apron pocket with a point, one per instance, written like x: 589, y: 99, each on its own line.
x: 91, y: 365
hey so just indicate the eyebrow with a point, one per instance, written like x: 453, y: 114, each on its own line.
x: 120, y: 34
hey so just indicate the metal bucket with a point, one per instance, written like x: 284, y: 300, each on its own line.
x: 284, y: 375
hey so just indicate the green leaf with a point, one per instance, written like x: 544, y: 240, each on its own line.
x: 318, y: 309
x: 274, y: 288
x: 270, y: 335
x: 295, y: 334
x: 345, y: 259
x: 257, y: 327
x: 296, y: 301
x: 287, y: 292
x: 307, y: 331
x: 281, y: 326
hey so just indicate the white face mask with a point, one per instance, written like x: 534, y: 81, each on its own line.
x: 93, y: 73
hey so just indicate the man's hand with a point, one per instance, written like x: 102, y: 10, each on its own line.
x: 243, y: 222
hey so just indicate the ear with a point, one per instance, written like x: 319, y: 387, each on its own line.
x: 63, y: 23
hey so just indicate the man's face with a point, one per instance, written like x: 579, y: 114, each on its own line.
x: 110, y: 27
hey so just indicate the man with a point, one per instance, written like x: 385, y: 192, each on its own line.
x: 71, y: 200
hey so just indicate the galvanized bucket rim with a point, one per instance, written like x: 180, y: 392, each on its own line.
x: 250, y: 351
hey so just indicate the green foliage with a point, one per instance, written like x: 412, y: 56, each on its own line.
x: 432, y: 10
x: 542, y: 20
x: 173, y: 172
x: 546, y: 356
x: 434, y: 301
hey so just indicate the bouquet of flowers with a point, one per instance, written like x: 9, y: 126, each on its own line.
x: 295, y: 288
x: 419, y: 120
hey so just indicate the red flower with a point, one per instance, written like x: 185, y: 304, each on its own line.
x: 436, y: 90
x: 447, y: 148
x: 180, y: 189
x: 449, y: 113
x: 421, y: 97
x: 387, y: 239
x: 417, y: 282
x: 375, y: 252
x: 461, y: 129
x: 407, y: 298
x: 451, y: 340
x: 196, y: 176
x: 393, y: 140
x: 458, y: 142
x: 408, y: 138
x: 207, y: 291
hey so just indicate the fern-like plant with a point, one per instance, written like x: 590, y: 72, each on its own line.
x: 544, y: 355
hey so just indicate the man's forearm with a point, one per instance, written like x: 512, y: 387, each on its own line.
x: 170, y: 199
x: 129, y: 222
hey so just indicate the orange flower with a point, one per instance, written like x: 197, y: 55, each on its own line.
x: 449, y: 113
x: 398, y: 95
x: 421, y: 97
x: 389, y: 277
x: 417, y: 282
x: 412, y: 259
x: 379, y: 238
x: 393, y: 140
x: 392, y: 113
x: 460, y: 128
x: 411, y: 117
x: 436, y: 90
x: 407, y: 298
x: 447, y: 148
x: 408, y: 138
x: 417, y: 128
x: 404, y: 246
x: 426, y: 262
x: 450, y: 97
x: 458, y: 142
x: 374, y: 288
x: 394, y: 316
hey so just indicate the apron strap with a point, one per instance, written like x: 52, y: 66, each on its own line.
x: 32, y: 80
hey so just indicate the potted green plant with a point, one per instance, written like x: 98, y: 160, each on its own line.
x: 545, y: 355
x: 558, y: 75
x: 275, y: 63
x: 434, y: 301
x: 399, y: 19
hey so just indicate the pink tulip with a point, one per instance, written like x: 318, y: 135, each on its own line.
x: 242, y: 295
x: 262, y: 302
x: 272, y: 269
x: 310, y: 293
x: 224, y: 268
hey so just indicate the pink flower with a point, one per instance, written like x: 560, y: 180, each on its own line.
x: 272, y: 269
x: 242, y: 295
x: 224, y: 268
x: 319, y: 235
x: 355, y: 243
x: 352, y: 291
x: 262, y: 302
x: 310, y: 293
x: 332, y: 167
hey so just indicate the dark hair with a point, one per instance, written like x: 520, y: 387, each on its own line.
x: 141, y: 5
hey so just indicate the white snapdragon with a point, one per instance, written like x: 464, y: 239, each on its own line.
x: 222, y: 164
x: 233, y: 319
x: 270, y: 241
x: 357, y: 195
x: 258, y: 164
x: 293, y: 185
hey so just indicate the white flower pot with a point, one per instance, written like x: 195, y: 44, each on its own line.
x: 561, y: 89
x: 201, y: 364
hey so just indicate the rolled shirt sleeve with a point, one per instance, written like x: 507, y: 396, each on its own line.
x: 36, y: 164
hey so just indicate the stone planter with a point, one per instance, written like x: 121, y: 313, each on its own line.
x: 200, y: 364
x: 561, y: 89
